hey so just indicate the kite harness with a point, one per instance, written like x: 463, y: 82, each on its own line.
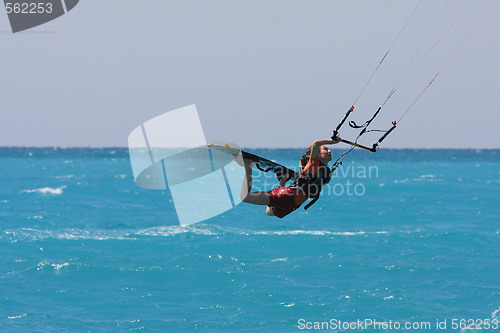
x: 310, y: 184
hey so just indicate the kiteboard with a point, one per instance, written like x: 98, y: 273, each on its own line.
x: 261, y: 163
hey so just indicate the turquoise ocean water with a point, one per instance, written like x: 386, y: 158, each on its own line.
x: 400, y: 236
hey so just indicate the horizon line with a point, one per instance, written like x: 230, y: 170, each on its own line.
x: 333, y: 148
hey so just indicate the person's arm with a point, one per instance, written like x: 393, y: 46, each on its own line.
x: 319, y: 143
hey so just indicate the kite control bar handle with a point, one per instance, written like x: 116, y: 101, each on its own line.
x: 336, y: 131
x: 394, y: 123
x: 375, y: 145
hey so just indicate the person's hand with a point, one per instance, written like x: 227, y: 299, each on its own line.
x: 336, y: 139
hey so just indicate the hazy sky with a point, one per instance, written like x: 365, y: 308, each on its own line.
x: 271, y: 73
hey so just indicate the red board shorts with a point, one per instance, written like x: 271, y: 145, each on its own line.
x: 282, y: 201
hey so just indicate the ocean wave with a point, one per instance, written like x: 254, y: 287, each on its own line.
x: 43, y: 264
x: 429, y: 178
x: 65, y: 234
x: 317, y: 233
x: 31, y: 234
x: 422, y: 178
x: 175, y: 230
x: 279, y: 259
x: 310, y: 232
x: 57, y: 267
x: 127, y: 233
x: 47, y: 190
x: 18, y: 317
x: 65, y: 177
x: 496, y: 314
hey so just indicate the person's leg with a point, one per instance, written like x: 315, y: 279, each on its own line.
x: 246, y: 187
x: 256, y: 198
